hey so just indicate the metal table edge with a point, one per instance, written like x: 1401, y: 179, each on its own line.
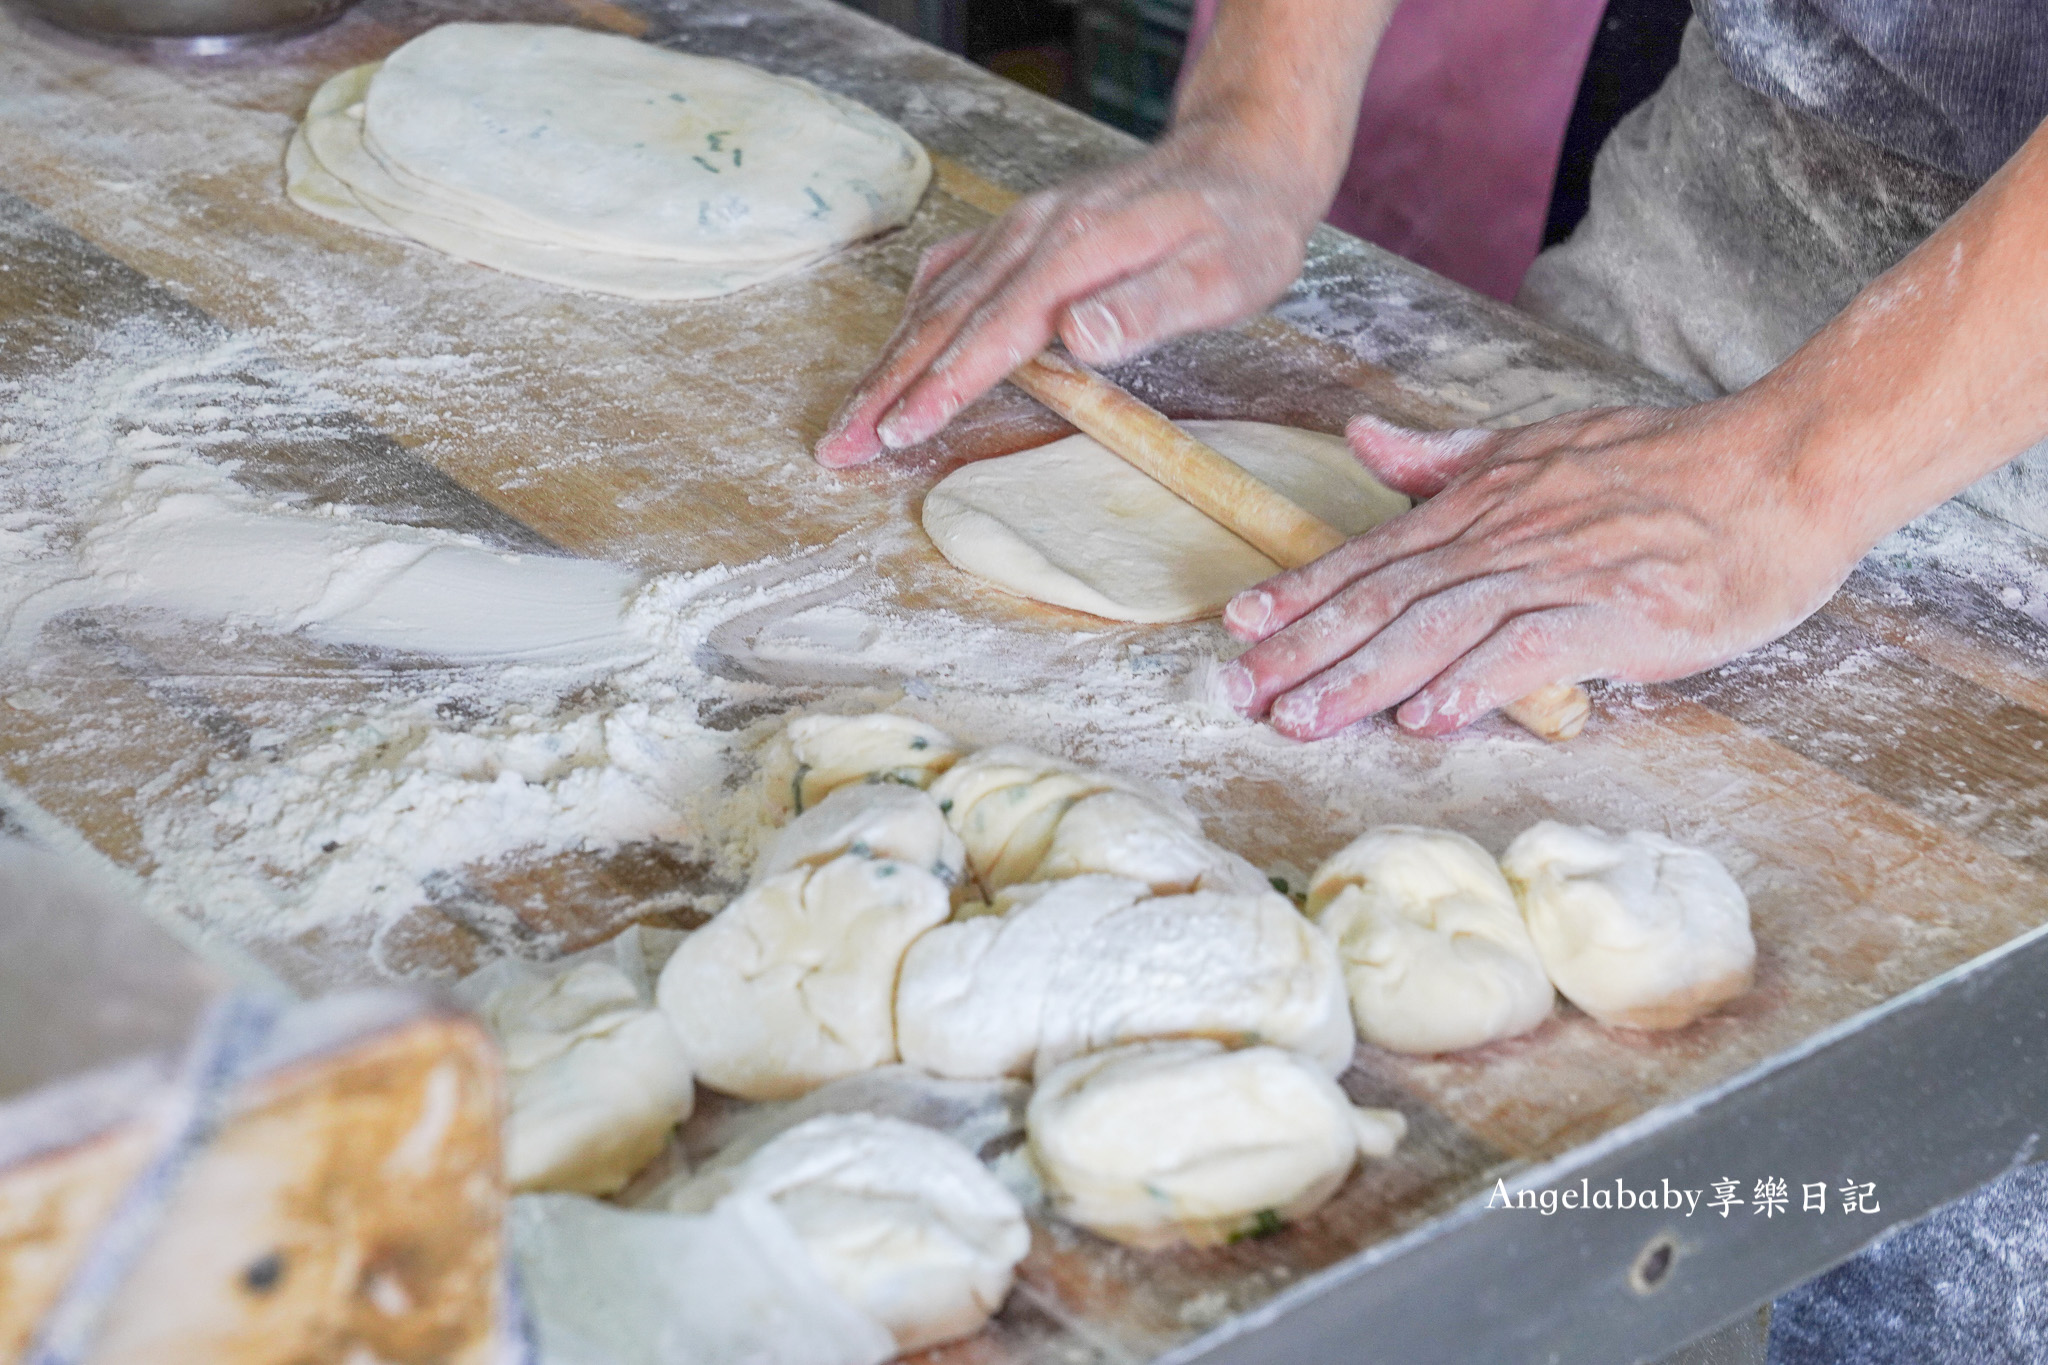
x: 1925, y: 1096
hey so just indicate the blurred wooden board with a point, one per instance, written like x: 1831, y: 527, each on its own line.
x: 1873, y: 779
x: 349, y: 1207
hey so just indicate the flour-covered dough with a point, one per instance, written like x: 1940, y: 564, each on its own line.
x: 902, y: 1222
x: 606, y: 1285
x: 1010, y: 795
x: 814, y: 756
x: 792, y: 984
x: 870, y: 820
x: 845, y: 1240
x: 1071, y: 524
x: 1072, y: 966
x: 1636, y: 930
x: 600, y: 162
x: 597, y: 1075
x: 1187, y: 1141
x: 1434, y: 948
x: 1024, y: 816
x: 329, y: 170
x: 1124, y: 834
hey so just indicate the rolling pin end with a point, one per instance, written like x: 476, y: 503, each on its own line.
x: 1555, y: 713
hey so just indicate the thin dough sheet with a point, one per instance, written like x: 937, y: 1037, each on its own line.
x: 1072, y: 524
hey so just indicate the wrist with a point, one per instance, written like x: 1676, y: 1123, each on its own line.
x: 1280, y: 171
x: 1803, y: 456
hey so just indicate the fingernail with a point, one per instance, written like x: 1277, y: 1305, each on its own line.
x: 1424, y: 714
x: 1100, y: 335
x: 897, y: 430
x: 1236, y: 684
x: 1295, y: 712
x: 1250, y: 611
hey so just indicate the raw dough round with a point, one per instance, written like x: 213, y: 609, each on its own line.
x: 602, y: 141
x: 329, y: 171
x: 1186, y: 1141
x: 903, y: 1223
x: 598, y: 1078
x: 791, y: 985
x: 1068, y: 967
x: 1432, y: 940
x: 592, y: 160
x: 1636, y: 930
x: 1071, y: 524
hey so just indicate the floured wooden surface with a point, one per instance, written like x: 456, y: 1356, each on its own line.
x: 1874, y: 780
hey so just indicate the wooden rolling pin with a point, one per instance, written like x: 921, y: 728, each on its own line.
x: 1272, y: 524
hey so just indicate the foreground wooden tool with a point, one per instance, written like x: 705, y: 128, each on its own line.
x: 348, y: 1208
x: 1270, y: 523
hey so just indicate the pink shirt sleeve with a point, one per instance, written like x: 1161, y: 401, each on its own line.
x: 1459, y: 132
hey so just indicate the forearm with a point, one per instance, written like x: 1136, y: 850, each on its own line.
x: 1279, y: 81
x: 1935, y: 375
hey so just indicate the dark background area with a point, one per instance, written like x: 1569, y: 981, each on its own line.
x: 1117, y: 60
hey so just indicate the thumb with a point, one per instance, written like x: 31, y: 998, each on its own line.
x: 1418, y: 463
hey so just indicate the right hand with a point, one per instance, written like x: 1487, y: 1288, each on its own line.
x: 1200, y: 231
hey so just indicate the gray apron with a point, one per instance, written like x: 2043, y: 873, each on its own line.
x: 1732, y: 215
x: 1726, y: 227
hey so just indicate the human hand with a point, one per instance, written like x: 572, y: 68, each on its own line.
x: 1201, y: 231
x: 1631, y: 544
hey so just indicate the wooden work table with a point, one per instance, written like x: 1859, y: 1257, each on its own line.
x: 1877, y: 780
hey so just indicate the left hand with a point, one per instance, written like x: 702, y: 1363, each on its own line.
x: 1637, y: 544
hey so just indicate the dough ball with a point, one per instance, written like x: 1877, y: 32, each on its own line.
x: 1432, y: 941
x: 814, y: 756
x: 902, y: 1222
x: 1636, y: 930
x: 879, y: 820
x: 597, y: 1077
x: 1186, y: 1141
x: 1123, y: 834
x: 1010, y: 794
x: 1026, y: 817
x: 791, y: 985
x: 1073, y: 966
x: 1072, y: 524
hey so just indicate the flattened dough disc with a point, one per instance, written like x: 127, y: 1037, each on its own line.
x: 329, y: 171
x: 1071, y: 524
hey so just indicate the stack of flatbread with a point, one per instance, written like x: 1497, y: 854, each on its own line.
x: 602, y: 163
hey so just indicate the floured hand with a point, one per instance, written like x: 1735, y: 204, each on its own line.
x: 1644, y: 544
x: 1629, y: 544
x: 1203, y: 229
x: 1192, y: 234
